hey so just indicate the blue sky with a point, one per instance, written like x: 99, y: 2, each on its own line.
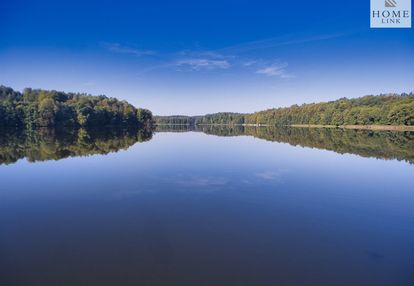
x: 192, y: 57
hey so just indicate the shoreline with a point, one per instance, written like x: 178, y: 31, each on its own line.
x: 359, y: 127
x: 401, y: 128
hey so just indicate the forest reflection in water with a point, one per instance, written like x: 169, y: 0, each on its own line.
x: 51, y: 144
x: 388, y: 145
x: 194, y: 208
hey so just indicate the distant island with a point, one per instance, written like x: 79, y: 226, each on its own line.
x: 387, y: 112
x: 43, y: 108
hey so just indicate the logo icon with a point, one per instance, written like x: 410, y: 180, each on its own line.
x: 390, y: 14
x: 390, y: 3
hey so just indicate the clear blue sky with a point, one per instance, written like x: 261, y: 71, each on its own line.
x: 196, y: 57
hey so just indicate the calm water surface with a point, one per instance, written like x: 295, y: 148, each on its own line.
x: 302, y: 207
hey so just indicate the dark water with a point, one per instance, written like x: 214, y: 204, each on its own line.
x: 219, y: 206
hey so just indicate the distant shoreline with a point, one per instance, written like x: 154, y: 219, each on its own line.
x: 361, y: 127
x: 401, y: 128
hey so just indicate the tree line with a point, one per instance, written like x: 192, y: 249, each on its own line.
x: 208, y: 119
x: 176, y: 120
x: 368, y: 110
x: 43, y: 108
x: 385, y: 109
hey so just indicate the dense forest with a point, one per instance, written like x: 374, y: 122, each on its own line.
x: 43, y: 108
x: 176, y: 120
x: 215, y: 118
x: 367, y: 110
x: 390, y: 109
x: 222, y: 118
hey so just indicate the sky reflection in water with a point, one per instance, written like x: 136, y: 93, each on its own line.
x: 197, y: 209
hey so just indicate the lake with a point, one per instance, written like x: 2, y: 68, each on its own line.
x: 213, y: 205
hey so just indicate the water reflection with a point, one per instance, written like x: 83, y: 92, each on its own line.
x: 193, y: 209
x: 366, y: 143
x: 50, y: 144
